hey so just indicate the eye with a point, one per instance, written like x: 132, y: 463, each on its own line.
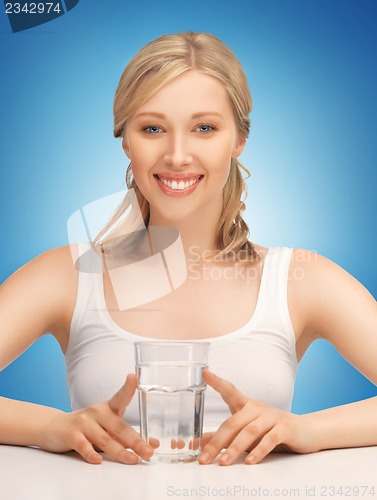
x: 205, y: 128
x: 152, y: 129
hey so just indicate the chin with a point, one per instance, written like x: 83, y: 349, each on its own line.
x: 169, y: 216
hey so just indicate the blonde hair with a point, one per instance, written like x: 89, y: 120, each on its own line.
x: 155, y: 65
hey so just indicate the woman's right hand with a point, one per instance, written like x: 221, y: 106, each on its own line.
x: 99, y: 427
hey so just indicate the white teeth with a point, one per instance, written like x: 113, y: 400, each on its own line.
x: 179, y: 186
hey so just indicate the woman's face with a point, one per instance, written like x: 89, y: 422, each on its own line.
x: 180, y: 143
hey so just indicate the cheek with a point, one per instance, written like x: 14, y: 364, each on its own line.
x: 218, y: 160
x: 140, y: 176
x: 142, y: 159
x: 139, y: 165
x: 220, y: 165
x: 220, y: 150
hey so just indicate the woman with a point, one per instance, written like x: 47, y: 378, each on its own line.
x: 182, y: 110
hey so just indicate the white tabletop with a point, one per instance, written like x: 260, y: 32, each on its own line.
x: 30, y: 473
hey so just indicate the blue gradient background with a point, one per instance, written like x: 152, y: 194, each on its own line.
x: 312, y: 151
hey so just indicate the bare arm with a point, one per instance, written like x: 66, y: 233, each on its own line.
x: 336, y: 307
x: 37, y: 299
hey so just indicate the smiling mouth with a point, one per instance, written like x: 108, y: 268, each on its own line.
x: 179, y: 183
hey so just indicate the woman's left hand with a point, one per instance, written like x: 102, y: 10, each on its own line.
x: 254, y: 427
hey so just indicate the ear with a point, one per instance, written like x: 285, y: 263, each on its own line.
x: 125, y: 145
x: 239, y: 147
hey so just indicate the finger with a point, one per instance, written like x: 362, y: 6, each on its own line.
x: 129, y: 438
x: 216, y: 443
x: 207, y: 436
x: 177, y: 444
x: 230, y: 394
x: 181, y: 444
x: 249, y: 436
x: 126, y: 435
x: 264, y: 447
x: 119, y: 402
x: 197, y: 442
x: 111, y: 446
x: 226, y: 433
x: 155, y: 443
x: 86, y: 450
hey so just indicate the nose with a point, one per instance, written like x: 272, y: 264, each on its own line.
x: 177, y: 151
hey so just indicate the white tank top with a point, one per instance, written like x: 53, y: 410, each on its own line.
x: 258, y: 358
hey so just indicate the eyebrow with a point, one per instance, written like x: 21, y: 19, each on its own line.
x: 195, y: 115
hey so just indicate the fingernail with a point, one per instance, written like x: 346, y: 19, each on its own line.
x: 146, y: 450
x: 250, y: 459
x: 224, y: 458
x: 204, y: 457
x: 127, y: 459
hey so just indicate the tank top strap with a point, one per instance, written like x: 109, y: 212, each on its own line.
x: 89, y: 299
x: 273, y: 293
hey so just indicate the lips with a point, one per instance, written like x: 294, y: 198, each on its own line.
x: 178, y: 184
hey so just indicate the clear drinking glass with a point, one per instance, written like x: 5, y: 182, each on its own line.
x: 171, y: 398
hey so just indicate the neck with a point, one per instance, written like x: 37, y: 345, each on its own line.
x: 198, y: 231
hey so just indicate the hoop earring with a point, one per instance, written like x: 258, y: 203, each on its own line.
x: 129, y: 175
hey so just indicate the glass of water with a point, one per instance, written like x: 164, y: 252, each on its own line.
x: 171, y: 398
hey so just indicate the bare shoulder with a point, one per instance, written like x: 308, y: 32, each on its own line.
x: 54, y: 268
x: 321, y: 294
x: 55, y: 274
x: 39, y: 298
x: 311, y: 273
